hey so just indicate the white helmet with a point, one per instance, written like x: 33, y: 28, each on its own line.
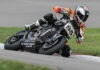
x: 82, y: 13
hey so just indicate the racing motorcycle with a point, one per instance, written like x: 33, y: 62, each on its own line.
x: 46, y: 40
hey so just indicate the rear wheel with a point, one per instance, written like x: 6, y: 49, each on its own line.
x: 59, y: 45
x: 13, y: 43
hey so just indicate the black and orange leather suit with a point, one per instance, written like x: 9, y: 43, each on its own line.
x: 76, y: 23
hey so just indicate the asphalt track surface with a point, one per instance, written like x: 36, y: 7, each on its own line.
x: 51, y: 61
x: 21, y: 12
x: 74, y: 62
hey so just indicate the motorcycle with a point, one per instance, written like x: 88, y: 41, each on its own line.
x: 46, y: 40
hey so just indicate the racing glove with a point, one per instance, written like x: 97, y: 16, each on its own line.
x: 61, y: 10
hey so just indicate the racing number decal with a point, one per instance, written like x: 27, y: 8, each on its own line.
x: 69, y: 29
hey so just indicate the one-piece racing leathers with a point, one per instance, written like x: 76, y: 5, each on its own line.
x: 79, y: 26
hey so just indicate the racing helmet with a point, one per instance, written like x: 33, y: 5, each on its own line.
x: 82, y: 13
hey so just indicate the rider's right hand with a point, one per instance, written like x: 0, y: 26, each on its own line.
x: 62, y: 11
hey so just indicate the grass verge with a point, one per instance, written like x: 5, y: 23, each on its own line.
x: 90, y: 46
x: 14, y: 65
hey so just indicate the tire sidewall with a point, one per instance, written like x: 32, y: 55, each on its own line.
x: 15, y: 46
x: 55, y: 48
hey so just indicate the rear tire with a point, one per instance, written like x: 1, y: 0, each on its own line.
x: 14, y: 45
x: 55, y: 48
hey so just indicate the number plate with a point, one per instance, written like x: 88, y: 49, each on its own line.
x: 69, y: 29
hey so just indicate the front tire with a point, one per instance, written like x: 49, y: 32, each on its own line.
x: 66, y: 51
x: 13, y: 43
x: 55, y: 48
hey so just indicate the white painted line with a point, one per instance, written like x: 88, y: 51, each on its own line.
x: 87, y: 57
x: 1, y: 46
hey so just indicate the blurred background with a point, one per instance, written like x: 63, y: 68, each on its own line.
x: 17, y: 13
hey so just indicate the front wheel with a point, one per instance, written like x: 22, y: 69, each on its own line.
x: 58, y: 46
x: 13, y: 43
x: 66, y: 51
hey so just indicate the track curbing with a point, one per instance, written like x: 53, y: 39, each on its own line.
x: 1, y: 46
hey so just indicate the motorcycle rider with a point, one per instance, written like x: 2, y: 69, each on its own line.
x: 77, y: 17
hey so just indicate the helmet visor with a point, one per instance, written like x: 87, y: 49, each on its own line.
x: 82, y: 17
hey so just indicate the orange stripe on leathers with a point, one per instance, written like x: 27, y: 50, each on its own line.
x: 67, y: 9
x: 82, y: 25
x: 83, y: 28
x: 73, y: 12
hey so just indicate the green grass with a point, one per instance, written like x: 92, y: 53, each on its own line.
x: 6, y: 32
x: 14, y: 65
x: 90, y: 46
